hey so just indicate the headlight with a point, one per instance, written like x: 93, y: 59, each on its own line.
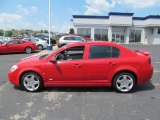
x: 13, y: 68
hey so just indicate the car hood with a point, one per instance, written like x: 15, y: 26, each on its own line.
x: 31, y: 59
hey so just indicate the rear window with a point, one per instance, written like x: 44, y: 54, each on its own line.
x: 97, y: 51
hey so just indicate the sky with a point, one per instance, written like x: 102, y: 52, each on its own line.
x: 33, y: 14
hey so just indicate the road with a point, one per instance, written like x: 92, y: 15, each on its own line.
x: 80, y: 103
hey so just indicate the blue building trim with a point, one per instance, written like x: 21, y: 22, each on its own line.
x: 90, y: 16
x: 138, y: 18
x: 117, y: 13
x: 121, y: 14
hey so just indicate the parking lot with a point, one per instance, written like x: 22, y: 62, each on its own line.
x: 99, y: 103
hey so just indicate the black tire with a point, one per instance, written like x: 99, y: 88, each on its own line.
x: 122, y: 81
x: 28, y: 50
x: 28, y: 86
x: 40, y: 47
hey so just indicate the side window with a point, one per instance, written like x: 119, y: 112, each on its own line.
x: 100, y: 52
x: 67, y: 38
x: 103, y: 52
x: 13, y: 42
x: 77, y: 39
x: 22, y: 42
x: 73, y: 53
x: 115, y: 52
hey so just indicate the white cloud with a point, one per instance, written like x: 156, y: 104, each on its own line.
x: 8, y: 20
x: 98, y: 6
x: 139, y: 3
x: 26, y: 11
x: 101, y: 6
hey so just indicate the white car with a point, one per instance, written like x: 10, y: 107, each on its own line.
x: 67, y: 39
x: 41, y: 44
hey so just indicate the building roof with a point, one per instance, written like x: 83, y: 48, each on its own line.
x: 121, y: 14
x: 90, y: 16
x: 117, y: 14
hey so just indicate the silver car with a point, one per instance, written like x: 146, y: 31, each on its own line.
x: 67, y: 39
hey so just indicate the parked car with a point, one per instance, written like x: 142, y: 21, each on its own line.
x: 41, y: 44
x: 84, y: 64
x: 15, y: 46
x: 2, y: 41
x: 67, y: 39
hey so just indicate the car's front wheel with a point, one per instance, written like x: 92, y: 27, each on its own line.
x: 28, y: 50
x: 31, y: 82
x: 124, y: 82
x: 40, y: 47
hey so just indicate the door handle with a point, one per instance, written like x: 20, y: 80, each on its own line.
x: 111, y: 63
x: 77, y: 65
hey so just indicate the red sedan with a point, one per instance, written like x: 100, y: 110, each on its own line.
x: 84, y: 64
x: 15, y: 46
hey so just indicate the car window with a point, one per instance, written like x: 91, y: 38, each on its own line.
x: 73, y: 53
x: 77, y: 38
x: 68, y: 38
x: 13, y: 42
x: 22, y: 42
x: 103, y: 52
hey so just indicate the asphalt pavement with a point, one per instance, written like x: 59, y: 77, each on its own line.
x: 98, y: 103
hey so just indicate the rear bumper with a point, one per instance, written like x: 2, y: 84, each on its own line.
x: 145, y: 74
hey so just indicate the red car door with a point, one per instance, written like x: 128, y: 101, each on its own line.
x: 13, y: 46
x: 101, y: 62
x: 69, y: 67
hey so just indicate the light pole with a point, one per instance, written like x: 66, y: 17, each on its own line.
x: 49, y: 47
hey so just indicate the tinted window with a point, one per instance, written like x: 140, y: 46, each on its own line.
x: 103, y: 52
x: 73, y: 53
x: 13, y: 42
x: 68, y: 38
x: 77, y: 39
x: 115, y: 52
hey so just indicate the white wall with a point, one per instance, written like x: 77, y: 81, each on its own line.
x: 80, y: 21
x: 120, y: 20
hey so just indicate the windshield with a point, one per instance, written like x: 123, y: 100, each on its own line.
x: 44, y: 55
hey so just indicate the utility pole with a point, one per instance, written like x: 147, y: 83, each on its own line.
x: 49, y: 47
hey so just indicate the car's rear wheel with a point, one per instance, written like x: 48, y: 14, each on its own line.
x: 31, y: 82
x: 28, y: 50
x: 124, y: 82
x: 40, y: 47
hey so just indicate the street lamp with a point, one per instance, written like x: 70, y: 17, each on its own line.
x: 49, y: 47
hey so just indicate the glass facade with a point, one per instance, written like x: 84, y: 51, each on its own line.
x: 118, y: 37
x: 101, y: 34
x: 84, y: 32
x: 135, y: 36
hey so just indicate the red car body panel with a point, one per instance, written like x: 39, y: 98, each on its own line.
x: 86, y: 72
x: 15, y: 48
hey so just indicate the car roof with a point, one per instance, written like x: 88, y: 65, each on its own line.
x: 71, y: 35
x: 93, y: 42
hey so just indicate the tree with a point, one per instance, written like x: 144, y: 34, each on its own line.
x: 1, y: 32
x: 9, y: 33
x: 71, y: 31
x: 45, y: 31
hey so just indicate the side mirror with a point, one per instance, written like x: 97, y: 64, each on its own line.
x: 53, y: 60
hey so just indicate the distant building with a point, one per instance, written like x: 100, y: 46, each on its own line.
x: 119, y: 27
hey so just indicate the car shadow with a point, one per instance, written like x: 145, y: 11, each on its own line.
x: 37, y: 51
x: 145, y: 87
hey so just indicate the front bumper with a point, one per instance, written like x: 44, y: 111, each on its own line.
x: 14, y: 78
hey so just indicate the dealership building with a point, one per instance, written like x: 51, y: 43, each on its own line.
x: 119, y: 27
